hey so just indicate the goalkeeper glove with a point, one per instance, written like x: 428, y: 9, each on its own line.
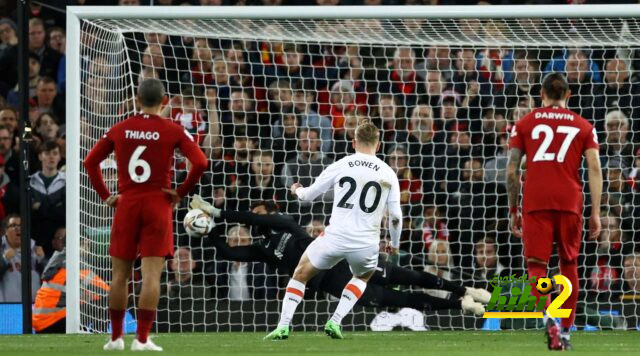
x: 198, y: 203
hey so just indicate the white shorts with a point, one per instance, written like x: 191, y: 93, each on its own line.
x: 326, y: 251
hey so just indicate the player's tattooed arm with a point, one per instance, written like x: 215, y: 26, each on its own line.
x: 513, y: 176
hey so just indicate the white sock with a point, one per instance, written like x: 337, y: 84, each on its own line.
x: 293, y: 297
x: 350, y: 295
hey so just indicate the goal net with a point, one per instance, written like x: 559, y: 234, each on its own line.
x: 274, y: 101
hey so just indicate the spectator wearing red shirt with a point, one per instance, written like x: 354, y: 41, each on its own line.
x: 631, y: 272
x: 342, y: 100
x: 491, y: 65
x: 432, y: 227
x: 401, y: 77
x: 186, y: 110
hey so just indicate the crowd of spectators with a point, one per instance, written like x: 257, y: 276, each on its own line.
x: 269, y: 114
x: 46, y: 160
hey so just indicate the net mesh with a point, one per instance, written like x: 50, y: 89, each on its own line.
x: 273, y: 102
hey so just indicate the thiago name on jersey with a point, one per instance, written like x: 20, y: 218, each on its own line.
x: 142, y: 135
x: 554, y: 115
x: 364, y: 163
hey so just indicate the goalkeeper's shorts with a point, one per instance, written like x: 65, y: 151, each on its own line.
x: 142, y: 226
x: 326, y: 251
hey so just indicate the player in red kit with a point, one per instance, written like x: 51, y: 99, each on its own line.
x: 144, y: 145
x: 554, y: 140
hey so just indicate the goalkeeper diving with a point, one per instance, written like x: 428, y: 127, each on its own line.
x: 280, y: 242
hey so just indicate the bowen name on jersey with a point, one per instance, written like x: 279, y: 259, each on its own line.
x: 364, y: 163
x: 142, y: 135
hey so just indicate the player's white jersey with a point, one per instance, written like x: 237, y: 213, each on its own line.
x: 363, y: 186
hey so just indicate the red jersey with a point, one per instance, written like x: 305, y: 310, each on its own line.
x: 194, y: 123
x: 144, y: 145
x: 554, y: 140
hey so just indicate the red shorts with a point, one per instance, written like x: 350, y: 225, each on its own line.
x: 142, y: 224
x: 541, y: 228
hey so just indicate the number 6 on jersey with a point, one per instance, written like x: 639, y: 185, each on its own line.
x: 136, y: 162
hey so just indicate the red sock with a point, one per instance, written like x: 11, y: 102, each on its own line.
x: 145, y: 321
x: 538, y: 270
x: 569, y: 269
x: 117, y: 317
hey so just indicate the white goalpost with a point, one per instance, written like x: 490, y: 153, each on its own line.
x: 443, y: 82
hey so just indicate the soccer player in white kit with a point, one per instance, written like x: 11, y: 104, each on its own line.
x: 363, y: 186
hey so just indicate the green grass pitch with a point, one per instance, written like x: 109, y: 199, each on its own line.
x: 356, y: 343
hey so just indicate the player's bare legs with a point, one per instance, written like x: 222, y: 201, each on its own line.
x: 118, y: 294
x: 151, y: 272
x: 305, y: 270
x: 293, y: 296
x: 350, y: 295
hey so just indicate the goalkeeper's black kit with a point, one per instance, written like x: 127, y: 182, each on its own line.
x: 285, y: 241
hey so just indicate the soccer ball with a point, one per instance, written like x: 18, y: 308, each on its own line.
x: 544, y: 285
x: 197, y: 223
